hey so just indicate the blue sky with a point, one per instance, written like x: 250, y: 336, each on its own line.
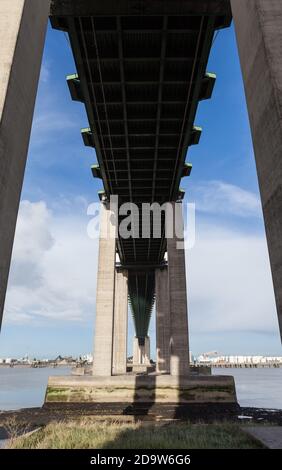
x: 50, y: 306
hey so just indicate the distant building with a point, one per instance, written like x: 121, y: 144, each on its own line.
x: 239, y: 360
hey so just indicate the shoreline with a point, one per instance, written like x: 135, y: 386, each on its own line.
x: 36, y: 366
x: 18, y: 423
x: 74, y: 366
x: 44, y: 415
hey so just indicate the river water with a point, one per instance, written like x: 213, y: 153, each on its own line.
x: 261, y: 388
x: 25, y: 387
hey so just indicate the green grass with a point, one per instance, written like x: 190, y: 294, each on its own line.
x: 94, y: 435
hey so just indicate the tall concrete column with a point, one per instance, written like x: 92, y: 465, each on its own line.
x: 104, y: 325
x: 141, y: 351
x: 179, y: 347
x: 22, y: 35
x: 120, y: 322
x: 162, y: 321
x: 146, y: 351
x: 258, y: 25
x: 136, y: 352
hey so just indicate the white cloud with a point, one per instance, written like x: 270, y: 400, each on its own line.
x: 229, y: 283
x: 229, y: 278
x: 33, y: 240
x: 50, y: 120
x: 53, y: 272
x: 218, y: 197
x: 45, y: 72
x: 50, y: 117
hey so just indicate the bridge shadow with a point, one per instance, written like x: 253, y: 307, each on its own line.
x: 169, y: 399
x: 148, y: 403
x: 144, y: 397
x: 152, y: 418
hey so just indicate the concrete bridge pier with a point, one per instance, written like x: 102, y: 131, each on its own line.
x: 162, y: 322
x: 171, y: 304
x: 110, y: 351
x: 120, y: 322
x: 141, y: 354
x: 22, y: 34
x: 258, y: 25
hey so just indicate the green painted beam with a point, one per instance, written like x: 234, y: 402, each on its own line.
x: 207, y: 86
x: 186, y: 170
x: 195, y: 135
x: 74, y: 87
x: 181, y: 194
x: 102, y: 195
x: 96, y: 171
x: 88, y: 137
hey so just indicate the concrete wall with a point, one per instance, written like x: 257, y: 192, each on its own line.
x: 163, y: 389
x: 22, y: 35
x: 258, y: 26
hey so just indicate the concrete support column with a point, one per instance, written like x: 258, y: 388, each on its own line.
x: 258, y: 25
x: 103, y: 350
x: 136, y: 352
x: 120, y: 322
x: 162, y: 321
x: 179, y: 347
x: 141, y: 351
x: 147, y: 351
x: 22, y: 35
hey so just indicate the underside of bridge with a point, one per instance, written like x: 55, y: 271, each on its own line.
x: 141, y: 72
